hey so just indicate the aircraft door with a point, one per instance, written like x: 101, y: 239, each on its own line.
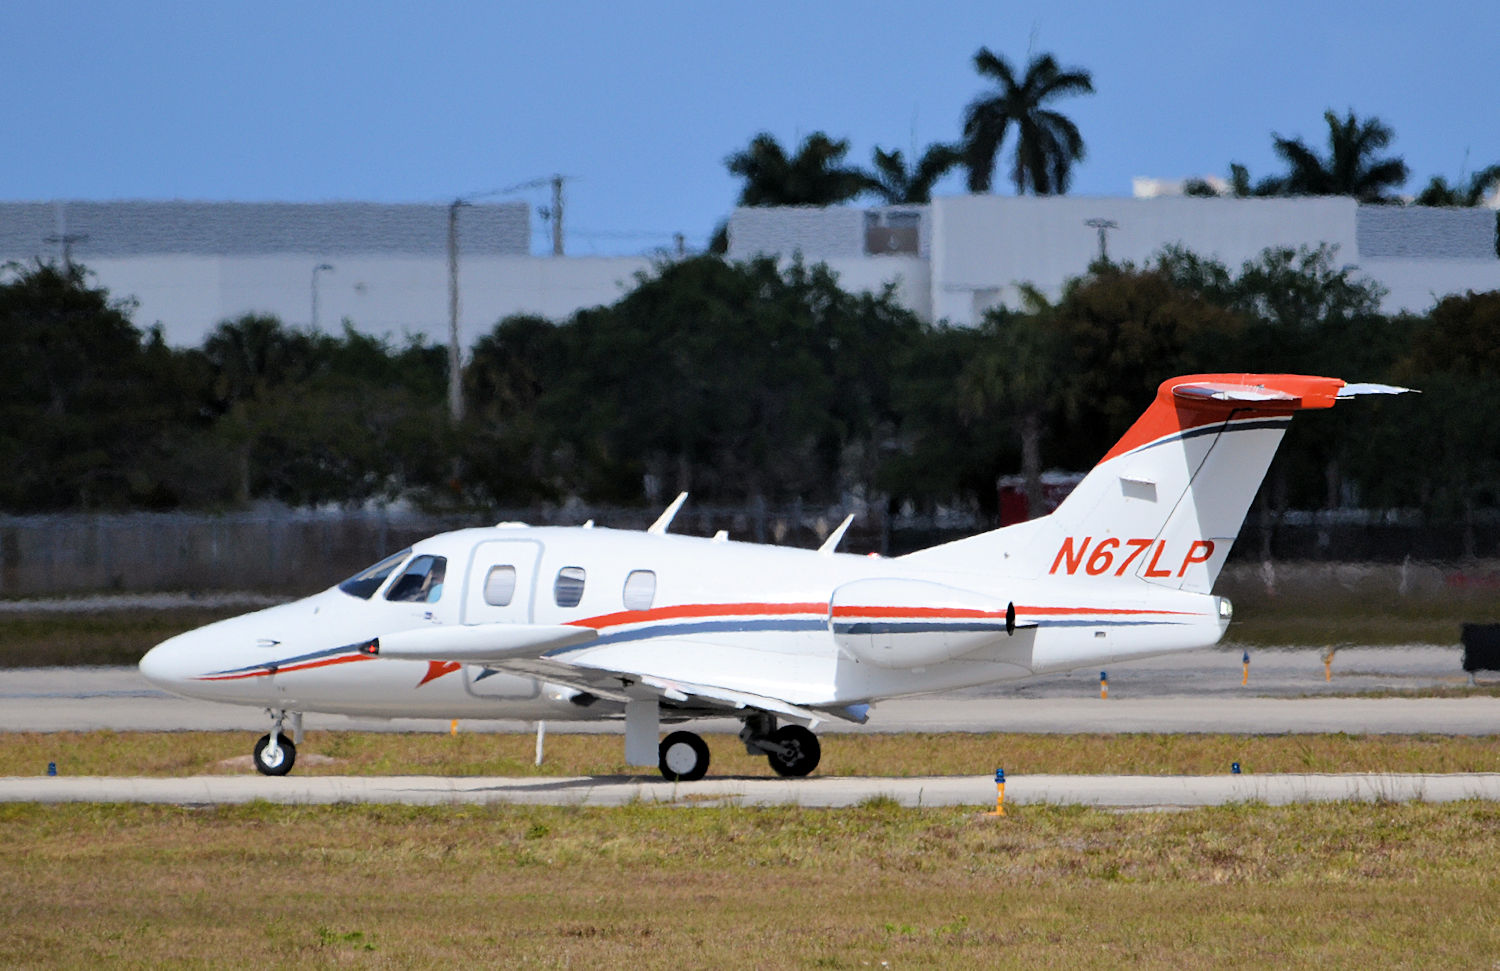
x: 498, y: 590
x: 501, y: 582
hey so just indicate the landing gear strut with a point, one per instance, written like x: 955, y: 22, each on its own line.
x: 275, y: 754
x: 793, y: 751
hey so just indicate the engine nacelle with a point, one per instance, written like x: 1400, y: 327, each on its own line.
x: 897, y: 623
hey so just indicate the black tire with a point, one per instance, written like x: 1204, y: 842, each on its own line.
x: 284, y: 764
x: 801, y: 751
x: 684, y: 757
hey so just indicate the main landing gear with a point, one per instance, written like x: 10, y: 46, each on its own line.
x: 792, y: 750
x: 684, y: 757
x: 275, y: 754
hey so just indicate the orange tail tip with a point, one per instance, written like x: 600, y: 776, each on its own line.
x: 1194, y: 400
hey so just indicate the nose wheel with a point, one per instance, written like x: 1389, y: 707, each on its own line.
x: 275, y: 753
x: 274, y: 759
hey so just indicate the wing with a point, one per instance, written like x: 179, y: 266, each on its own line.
x: 678, y: 698
x: 523, y: 649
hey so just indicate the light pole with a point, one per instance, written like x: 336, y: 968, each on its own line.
x: 316, y: 270
x: 455, y: 353
x: 455, y: 361
x: 1104, y: 226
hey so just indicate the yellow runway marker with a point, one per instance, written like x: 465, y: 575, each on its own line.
x: 999, y: 794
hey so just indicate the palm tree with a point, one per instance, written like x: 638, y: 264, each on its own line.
x: 1047, y: 143
x: 1440, y: 193
x: 814, y: 176
x: 1351, y: 169
x: 891, y: 180
x: 1239, y: 186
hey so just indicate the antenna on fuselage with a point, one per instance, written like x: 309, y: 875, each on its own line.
x: 665, y: 519
x: 831, y: 543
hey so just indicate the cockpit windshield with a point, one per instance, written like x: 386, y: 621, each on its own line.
x: 367, y: 581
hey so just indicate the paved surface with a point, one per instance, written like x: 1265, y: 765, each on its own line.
x: 1110, y: 791
x: 1196, y: 692
x: 1193, y: 692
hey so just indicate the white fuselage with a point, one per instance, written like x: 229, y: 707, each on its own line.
x: 742, y: 617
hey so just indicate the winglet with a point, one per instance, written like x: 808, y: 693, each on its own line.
x: 831, y: 543
x: 665, y: 519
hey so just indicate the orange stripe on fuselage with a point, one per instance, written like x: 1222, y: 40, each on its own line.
x: 344, y: 659
x: 698, y: 610
x: 682, y: 611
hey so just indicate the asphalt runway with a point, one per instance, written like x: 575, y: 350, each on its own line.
x: 1200, y: 691
x: 1194, y: 692
x: 1136, y: 792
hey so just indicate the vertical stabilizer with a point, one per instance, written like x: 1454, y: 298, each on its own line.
x: 1166, y: 503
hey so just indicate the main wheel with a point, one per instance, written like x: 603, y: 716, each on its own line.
x: 684, y: 757
x: 281, y: 762
x: 799, y: 753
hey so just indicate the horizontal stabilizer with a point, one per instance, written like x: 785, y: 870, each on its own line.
x: 1271, y: 392
x: 1355, y: 390
x: 1233, y: 392
x: 479, y: 643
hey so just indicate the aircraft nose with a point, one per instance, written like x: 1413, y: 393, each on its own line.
x: 164, y: 665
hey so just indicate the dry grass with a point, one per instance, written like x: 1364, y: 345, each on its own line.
x: 258, y: 886
x: 357, y: 753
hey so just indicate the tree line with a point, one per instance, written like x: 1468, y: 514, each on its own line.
x: 1018, y: 114
x: 742, y: 383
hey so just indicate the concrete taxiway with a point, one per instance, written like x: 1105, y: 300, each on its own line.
x: 1140, y: 792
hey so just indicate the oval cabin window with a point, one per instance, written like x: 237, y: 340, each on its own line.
x: 640, y: 590
x: 568, y: 589
x: 500, y: 586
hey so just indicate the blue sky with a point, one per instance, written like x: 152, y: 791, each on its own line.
x: 639, y: 103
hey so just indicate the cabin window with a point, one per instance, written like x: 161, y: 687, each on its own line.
x: 640, y: 590
x: 568, y: 589
x: 500, y: 586
x: 420, y: 582
x: 367, y: 581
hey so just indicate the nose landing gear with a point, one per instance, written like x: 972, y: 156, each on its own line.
x: 275, y: 754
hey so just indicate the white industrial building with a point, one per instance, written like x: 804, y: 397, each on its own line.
x: 958, y: 256
x: 384, y: 268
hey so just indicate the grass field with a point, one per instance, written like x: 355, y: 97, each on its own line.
x: 1343, y: 885
x: 958, y: 753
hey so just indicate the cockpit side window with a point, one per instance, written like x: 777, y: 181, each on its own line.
x: 367, y: 581
x: 421, y: 581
